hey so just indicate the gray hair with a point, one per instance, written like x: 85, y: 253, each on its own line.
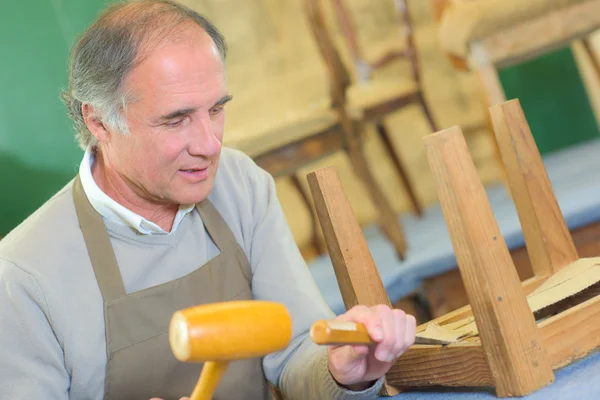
x: 113, y: 45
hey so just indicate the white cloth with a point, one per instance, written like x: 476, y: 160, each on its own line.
x: 115, y: 212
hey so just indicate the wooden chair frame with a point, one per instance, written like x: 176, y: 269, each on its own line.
x: 375, y: 113
x: 515, y: 358
x: 343, y: 135
x: 361, y: 63
x: 508, y: 47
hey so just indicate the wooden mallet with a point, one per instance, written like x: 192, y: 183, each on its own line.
x: 218, y: 333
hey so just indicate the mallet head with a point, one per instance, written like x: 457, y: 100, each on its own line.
x: 229, y: 331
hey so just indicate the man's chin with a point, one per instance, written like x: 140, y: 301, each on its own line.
x: 195, y: 196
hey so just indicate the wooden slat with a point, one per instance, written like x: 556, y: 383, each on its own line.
x: 547, y: 237
x: 573, y: 333
x: 528, y: 285
x: 354, y: 267
x: 517, y: 361
x: 286, y: 160
x: 461, y: 364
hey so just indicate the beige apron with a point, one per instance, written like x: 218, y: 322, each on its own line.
x: 140, y: 364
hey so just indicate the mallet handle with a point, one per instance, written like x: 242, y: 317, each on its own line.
x: 211, y: 374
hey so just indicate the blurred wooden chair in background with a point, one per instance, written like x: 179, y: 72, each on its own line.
x: 484, y: 35
x: 375, y: 98
x: 293, y: 130
x: 282, y: 143
x: 284, y: 125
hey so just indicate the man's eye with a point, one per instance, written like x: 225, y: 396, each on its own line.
x: 174, y: 124
x: 216, y: 110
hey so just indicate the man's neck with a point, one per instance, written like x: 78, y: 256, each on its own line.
x: 111, y: 183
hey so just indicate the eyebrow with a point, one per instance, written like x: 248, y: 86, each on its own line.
x: 186, y: 111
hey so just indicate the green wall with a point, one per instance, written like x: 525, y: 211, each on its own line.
x: 38, y: 154
x: 553, y: 98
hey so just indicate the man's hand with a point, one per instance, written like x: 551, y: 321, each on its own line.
x: 357, y: 367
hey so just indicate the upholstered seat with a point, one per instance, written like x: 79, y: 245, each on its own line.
x: 258, y: 136
x: 269, y: 114
x: 363, y: 96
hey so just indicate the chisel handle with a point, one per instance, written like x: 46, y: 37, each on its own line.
x: 339, y: 333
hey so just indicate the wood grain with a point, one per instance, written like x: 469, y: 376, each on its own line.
x: 355, y: 270
x: 547, y: 237
x: 462, y: 364
x: 517, y: 361
x: 353, y: 264
x: 573, y: 333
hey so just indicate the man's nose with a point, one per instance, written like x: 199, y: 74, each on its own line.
x: 204, y: 141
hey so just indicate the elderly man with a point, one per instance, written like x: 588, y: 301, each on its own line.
x: 161, y: 217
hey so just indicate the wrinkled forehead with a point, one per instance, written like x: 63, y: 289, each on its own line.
x: 186, y: 33
x: 187, y: 56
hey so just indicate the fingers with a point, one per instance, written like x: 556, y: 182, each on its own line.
x: 392, y: 329
x: 385, y: 348
x: 406, y: 326
x: 411, y: 330
x: 399, y: 320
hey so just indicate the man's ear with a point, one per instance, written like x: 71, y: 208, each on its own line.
x: 93, y: 123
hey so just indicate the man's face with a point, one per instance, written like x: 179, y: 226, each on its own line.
x: 175, y: 121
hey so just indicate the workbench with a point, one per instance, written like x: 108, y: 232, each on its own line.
x: 573, y: 173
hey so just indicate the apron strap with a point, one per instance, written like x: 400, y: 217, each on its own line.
x: 98, y: 245
x: 221, y: 234
x: 216, y: 226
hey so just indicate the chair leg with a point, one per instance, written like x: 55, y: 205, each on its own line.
x: 388, y: 219
x: 493, y: 93
x: 408, y: 186
x: 316, y: 243
x: 587, y: 46
x: 427, y: 113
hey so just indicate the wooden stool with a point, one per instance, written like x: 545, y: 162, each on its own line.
x: 516, y: 333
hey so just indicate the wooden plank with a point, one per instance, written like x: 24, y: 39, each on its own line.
x: 547, y: 237
x: 517, y: 361
x: 461, y: 364
x: 573, y: 333
x: 353, y: 264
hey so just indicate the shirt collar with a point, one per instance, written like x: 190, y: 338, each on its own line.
x: 115, y: 212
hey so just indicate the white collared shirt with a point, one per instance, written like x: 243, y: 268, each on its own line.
x: 113, y: 211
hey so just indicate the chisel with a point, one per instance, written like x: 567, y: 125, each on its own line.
x: 340, y: 333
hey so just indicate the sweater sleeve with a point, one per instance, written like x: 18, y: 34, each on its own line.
x: 279, y: 273
x: 31, y: 359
